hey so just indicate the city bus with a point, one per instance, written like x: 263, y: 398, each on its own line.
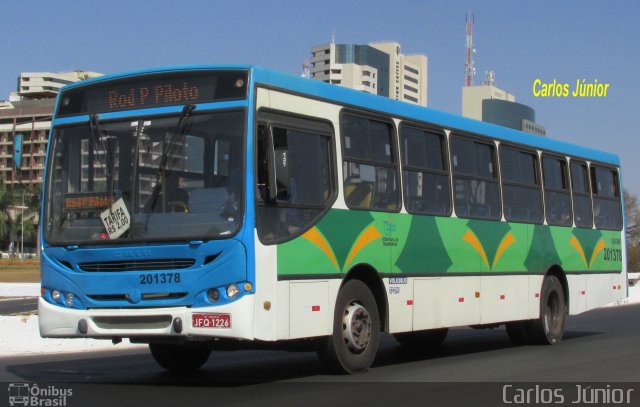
x: 198, y: 208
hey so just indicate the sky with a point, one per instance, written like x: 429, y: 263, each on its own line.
x: 521, y: 40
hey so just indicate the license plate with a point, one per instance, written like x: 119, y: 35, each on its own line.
x: 202, y: 320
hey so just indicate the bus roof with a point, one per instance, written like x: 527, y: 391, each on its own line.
x: 362, y: 100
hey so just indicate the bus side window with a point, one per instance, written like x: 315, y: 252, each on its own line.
x: 521, y: 190
x: 606, y: 198
x: 475, y: 179
x: 581, y: 188
x: 425, y: 171
x: 557, y: 201
x: 294, y: 179
x: 370, y: 170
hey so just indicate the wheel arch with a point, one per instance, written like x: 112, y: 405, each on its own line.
x: 370, y: 276
x: 559, y: 273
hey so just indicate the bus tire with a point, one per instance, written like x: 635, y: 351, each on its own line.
x: 180, y: 358
x: 549, y: 328
x: 422, y: 339
x: 353, y: 345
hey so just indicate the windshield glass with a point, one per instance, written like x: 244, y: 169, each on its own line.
x: 169, y: 178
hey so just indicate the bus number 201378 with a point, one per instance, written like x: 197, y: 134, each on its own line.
x: 160, y: 278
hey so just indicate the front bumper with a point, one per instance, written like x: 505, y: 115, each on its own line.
x: 59, y: 322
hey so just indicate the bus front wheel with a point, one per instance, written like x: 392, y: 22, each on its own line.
x: 353, y: 345
x: 180, y: 358
x: 549, y: 328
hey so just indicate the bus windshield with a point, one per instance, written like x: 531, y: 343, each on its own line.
x: 171, y: 178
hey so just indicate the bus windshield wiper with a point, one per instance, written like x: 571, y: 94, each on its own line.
x: 181, y: 128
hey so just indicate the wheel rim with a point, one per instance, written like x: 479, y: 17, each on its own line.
x: 356, y: 327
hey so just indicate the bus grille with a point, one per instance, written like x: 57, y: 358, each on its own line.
x: 133, y: 322
x: 145, y: 297
x: 137, y: 265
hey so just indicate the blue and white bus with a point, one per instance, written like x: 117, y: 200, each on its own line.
x: 205, y: 207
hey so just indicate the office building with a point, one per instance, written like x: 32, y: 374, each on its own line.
x: 378, y: 68
x: 490, y: 104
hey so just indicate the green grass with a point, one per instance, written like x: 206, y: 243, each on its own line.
x: 19, y: 271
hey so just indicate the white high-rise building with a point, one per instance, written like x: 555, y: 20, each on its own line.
x: 28, y: 111
x: 378, y: 68
x: 36, y: 85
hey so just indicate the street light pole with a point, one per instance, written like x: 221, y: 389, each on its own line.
x: 22, y: 208
x: 22, y: 229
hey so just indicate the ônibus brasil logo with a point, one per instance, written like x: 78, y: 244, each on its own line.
x: 31, y: 395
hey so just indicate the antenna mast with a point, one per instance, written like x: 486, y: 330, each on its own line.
x: 470, y: 65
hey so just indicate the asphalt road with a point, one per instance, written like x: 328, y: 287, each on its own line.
x: 13, y: 306
x: 601, y: 346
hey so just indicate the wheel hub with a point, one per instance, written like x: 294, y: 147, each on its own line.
x: 356, y: 327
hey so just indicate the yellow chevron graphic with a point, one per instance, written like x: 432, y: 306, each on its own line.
x: 368, y: 236
x: 599, y: 247
x: 576, y: 245
x: 317, y: 238
x: 471, y: 238
x: 596, y: 251
x: 506, y: 242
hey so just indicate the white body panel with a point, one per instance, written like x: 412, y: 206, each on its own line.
x: 505, y: 298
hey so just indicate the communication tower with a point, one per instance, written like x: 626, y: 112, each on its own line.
x: 470, y: 65
x: 489, y: 78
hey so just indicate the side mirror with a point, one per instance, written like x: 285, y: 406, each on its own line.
x: 17, y: 152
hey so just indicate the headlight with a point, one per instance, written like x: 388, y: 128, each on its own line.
x: 213, y: 294
x: 68, y: 299
x: 232, y: 291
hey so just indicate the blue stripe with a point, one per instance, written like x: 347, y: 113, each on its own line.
x: 414, y: 112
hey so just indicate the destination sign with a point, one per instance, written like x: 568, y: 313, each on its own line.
x: 146, y: 91
x: 78, y: 202
x: 160, y: 94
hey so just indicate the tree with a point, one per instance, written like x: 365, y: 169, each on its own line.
x: 632, y: 213
x: 5, y: 221
x: 10, y: 198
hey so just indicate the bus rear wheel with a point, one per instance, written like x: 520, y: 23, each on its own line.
x: 549, y: 328
x: 180, y: 358
x: 353, y: 345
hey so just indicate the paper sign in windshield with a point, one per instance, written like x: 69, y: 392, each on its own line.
x: 116, y: 219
